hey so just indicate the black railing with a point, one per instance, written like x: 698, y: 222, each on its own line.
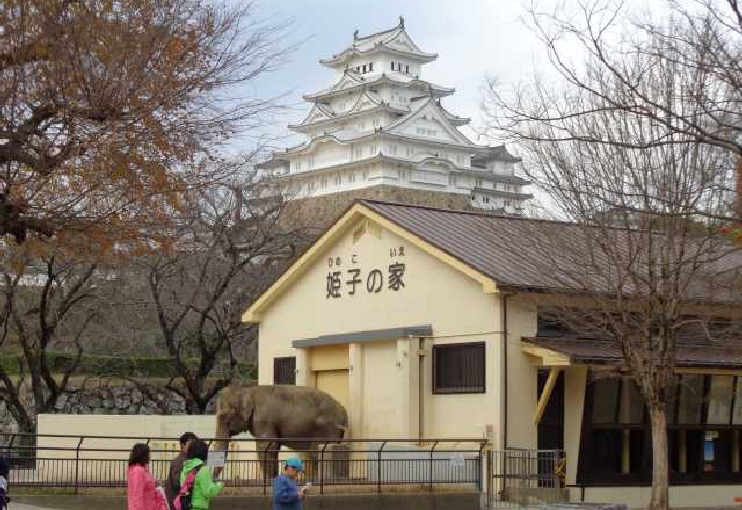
x: 82, y: 462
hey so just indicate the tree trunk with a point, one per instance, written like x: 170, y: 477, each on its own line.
x: 660, y: 493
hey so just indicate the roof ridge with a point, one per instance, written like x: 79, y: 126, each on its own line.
x: 485, y: 214
x: 492, y: 214
x: 376, y: 34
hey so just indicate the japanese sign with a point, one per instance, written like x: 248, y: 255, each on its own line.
x: 215, y: 459
x: 352, y: 280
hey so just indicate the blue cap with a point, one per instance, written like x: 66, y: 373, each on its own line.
x: 295, y: 463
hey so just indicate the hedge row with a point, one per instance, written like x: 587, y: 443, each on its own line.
x: 115, y: 366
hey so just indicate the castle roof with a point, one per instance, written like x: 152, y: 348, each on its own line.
x: 393, y: 41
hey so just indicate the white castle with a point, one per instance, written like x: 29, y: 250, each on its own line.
x: 381, y: 124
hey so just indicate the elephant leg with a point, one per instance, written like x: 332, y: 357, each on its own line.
x: 268, y: 458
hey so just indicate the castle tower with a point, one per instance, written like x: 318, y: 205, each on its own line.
x: 382, y: 124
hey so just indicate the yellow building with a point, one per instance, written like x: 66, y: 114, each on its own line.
x: 426, y: 323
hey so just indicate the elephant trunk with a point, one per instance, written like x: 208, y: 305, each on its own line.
x: 221, y: 437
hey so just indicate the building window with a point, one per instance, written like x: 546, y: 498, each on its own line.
x: 409, y: 151
x: 365, y: 175
x: 459, y: 368
x: 704, y: 431
x: 351, y: 177
x: 370, y: 67
x: 338, y: 180
x: 478, y: 183
x: 407, y: 69
x: 323, y: 182
x: 284, y: 370
x: 392, y: 66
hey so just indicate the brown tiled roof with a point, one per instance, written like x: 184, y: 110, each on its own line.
x: 592, y: 351
x: 546, y: 255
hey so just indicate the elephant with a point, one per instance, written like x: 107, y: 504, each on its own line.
x: 292, y: 415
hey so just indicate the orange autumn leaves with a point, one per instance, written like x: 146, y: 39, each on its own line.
x: 108, y: 108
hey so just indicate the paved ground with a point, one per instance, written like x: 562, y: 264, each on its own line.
x: 21, y: 506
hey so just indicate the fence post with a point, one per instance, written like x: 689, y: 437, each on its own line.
x: 322, y: 469
x: 480, y: 468
x: 430, y: 488
x: 265, y: 469
x: 378, y: 468
x: 490, y: 477
x: 77, y: 464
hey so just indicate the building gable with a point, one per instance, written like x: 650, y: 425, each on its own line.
x: 318, y: 113
x: 366, y: 101
x: 429, y: 122
x: 402, y: 42
x: 360, y: 220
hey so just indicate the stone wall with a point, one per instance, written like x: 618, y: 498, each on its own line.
x: 107, y: 397
x: 320, y: 212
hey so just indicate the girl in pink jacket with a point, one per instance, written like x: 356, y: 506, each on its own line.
x: 142, y: 492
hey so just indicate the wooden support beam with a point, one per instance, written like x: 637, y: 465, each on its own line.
x: 546, y: 394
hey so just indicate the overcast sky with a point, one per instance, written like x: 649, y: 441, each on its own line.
x: 473, y: 38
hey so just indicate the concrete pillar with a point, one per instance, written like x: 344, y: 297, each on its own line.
x: 355, y: 390
x: 409, y: 378
x: 575, y: 379
x: 303, y: 372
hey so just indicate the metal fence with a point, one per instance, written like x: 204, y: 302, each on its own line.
x: 504, y: 479
x: 525, y: 478
x: 83, y: 462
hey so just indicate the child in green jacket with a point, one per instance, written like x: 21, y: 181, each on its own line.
x: 204, y: 487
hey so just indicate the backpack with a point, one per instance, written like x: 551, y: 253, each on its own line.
x: 183, y: 501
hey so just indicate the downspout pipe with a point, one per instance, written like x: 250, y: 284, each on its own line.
x: 504, y: 365
x: 421, y: 389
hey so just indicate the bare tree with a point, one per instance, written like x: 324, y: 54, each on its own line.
x: 108, y: 108
x: 688, y: 51
x: 49, y: 301
x: 229, y: 247
x: 636, y: 145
